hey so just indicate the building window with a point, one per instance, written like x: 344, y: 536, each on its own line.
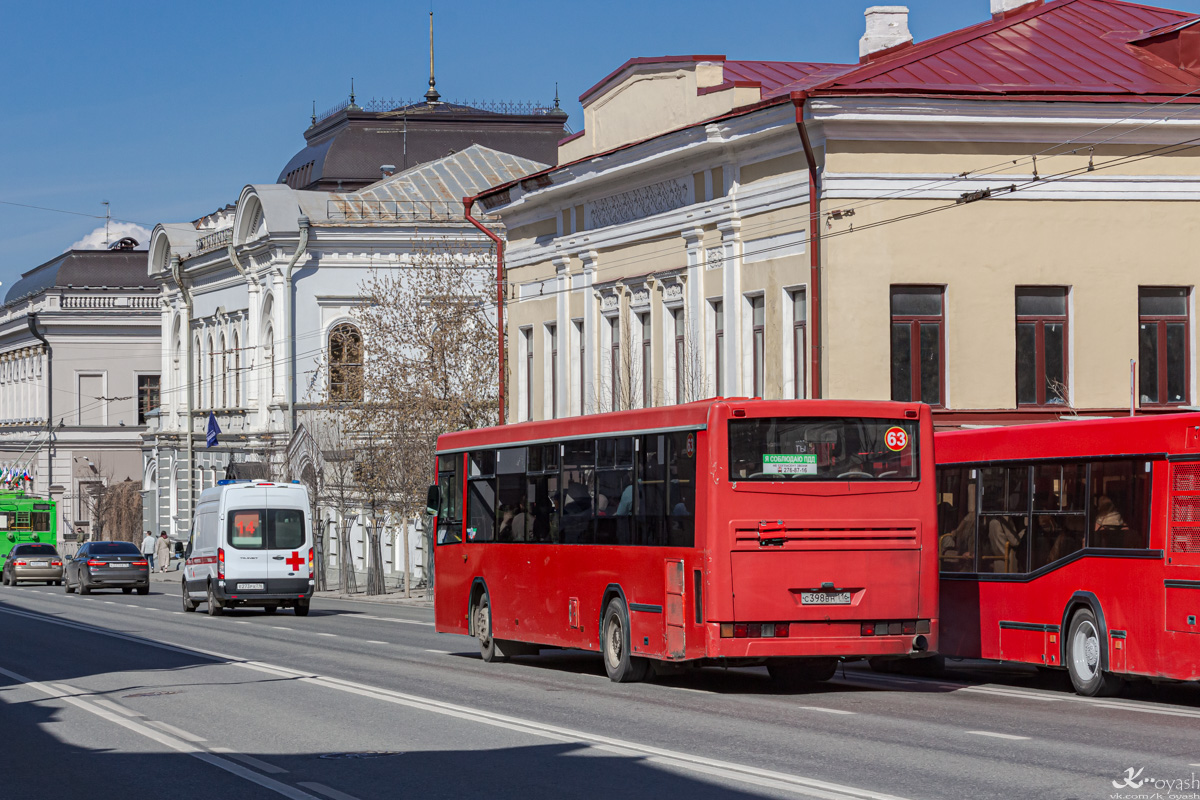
x: 237, y: 371
x: 270, y: 344
x: 212, y: 374
x: 527, y: 335
x: 224, y: 373
x: 1163, y: 352
x: 198, y: 378
x: 680, y: 354
x: 1042, y: 367
x: 917, y: 342
x: 758, y: 321
x: 149, y: 389
x: 647, y: 398
x: 614, y: 366
x: 799, y: 344
x: 345, y: 363
x: 552, y: 335
x: 719, y: 360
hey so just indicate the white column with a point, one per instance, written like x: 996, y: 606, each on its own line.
x: 731, y: 246
x: 279, y: 346
x: 562, y: 326
x: 591, y: 334
x: 252, y: 352
x: 694, y: 312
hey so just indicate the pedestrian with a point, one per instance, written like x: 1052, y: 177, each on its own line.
x: 162, y: 552
x: 148, y: 549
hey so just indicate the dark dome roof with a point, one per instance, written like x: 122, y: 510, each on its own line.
x: 99, y: 268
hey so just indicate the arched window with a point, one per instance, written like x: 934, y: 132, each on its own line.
x: 224, y: 373
x: 198, y: 378
x: 345, y: 363
x: 237, y: 371
x: 212, y: 375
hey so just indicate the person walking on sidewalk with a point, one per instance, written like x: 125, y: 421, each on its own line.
x: 162, y: 552
x: 148, y: 549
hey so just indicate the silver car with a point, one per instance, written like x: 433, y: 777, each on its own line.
x: 32, y: 562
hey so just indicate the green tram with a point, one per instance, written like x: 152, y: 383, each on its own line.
x: 25, y: 518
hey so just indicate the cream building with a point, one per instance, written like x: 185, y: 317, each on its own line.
x: 1007, y: 237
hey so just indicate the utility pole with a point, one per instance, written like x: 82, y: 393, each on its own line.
x: 107, y: 218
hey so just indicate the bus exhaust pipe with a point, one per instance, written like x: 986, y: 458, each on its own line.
x: 920, y: 644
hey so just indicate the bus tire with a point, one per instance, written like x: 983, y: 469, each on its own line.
x: 1083, y: 657
x: 619, y: 662
x: 488, y: 650
x: 214, y: 606
x: 791, y: 672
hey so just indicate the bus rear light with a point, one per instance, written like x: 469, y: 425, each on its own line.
x: 726, y: 630
x: 754, y: 630
x: 923, y: 627
x: 895, y: 628
x: 910, y: 628
x: 220, y: 562
x: 881, y: 628
x: 781, y: 630
x: 739, y: 630
x: 868, y: 629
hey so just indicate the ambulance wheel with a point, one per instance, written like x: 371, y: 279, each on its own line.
x: 1083, y: 658
x: 270, y: 609
x: 619, y: 662
x: 214, y: 607
x: 483, y: 630
x: 302, y: 608
x: 189, y: 605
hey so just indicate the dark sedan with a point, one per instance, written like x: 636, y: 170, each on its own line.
x: 108, y: 565
x: 32, y: 562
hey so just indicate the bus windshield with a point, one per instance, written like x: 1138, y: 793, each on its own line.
x: 822, y: 449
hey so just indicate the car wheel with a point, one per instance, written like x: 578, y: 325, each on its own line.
x: 3, y: 579
x: 302, y: 608
x: 143, y: 590
x: 1084, y: 643
x: 619, y: 662
x: 126, y: 590
x: 270, y: 609
x: 214, y: 607
x: 83, y: 587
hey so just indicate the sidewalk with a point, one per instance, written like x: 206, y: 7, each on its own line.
x: 174, y: 575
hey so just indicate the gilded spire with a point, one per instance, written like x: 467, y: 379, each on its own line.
x: 432, y: 95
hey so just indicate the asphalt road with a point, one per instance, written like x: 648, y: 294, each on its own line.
x: 118, y: 696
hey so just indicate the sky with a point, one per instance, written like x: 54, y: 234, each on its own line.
x: 167, y: 109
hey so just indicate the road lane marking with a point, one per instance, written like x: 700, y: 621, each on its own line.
x: 109, y: 704
x: 180, y: 732
x: 321, y: 788
x: 326, y: 634
x: 439, y: 652
x: 826, y: 710
x: 676, y: 760
x: 280, y: 628
x: 162, y: 738
x: 395, y: 619
x: 258, y: 764
x: 239, y: 622
x: 375, y: 641
x: 998, y: 735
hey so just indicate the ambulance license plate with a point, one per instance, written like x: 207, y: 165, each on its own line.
x: 825, y: 598
x: 244, y: 587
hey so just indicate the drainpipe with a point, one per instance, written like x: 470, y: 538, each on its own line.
x: 31, y: 320
x: 814, y: 239
x: 467, y: 203
x: 290, y: 307
x: 177, y: 274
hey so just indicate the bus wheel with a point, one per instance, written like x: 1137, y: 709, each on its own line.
x: 619, y: 662
x: 798, y: 671
x: 1083, y: 658
x: 483, y: 630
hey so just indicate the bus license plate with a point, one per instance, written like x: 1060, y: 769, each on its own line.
x: 825, y: 598
x: 243, y: 587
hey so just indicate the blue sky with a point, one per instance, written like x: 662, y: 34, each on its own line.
x: 167, y: 109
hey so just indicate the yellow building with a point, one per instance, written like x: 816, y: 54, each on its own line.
x: 997, y: 221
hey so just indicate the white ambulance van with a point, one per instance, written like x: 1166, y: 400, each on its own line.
x: 251, y: 545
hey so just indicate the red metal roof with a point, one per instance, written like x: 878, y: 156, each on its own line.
x: 1062, y: 48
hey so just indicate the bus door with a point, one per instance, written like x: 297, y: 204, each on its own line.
x: 1182, y: 583
x: 452, y: 581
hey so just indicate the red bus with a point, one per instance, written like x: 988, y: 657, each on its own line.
x: 1074, y: 545
x: 741, y: 532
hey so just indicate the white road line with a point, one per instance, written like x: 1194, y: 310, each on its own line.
x: 111, y: 603
x: 279, y: 628
x: 239, y: 622
x: 394, y: 619
x: 321, y: 788
x: 375, y: 641
x: 826, y: 710
x: 1194, y: 765
x: 998, y: 735
x: 258, y: 764
x: 180, y: 732
x: 327, y: 634
x: 739, y: 773
x: 162, y: 738
x: 110, y: 705
x: 439, y: 652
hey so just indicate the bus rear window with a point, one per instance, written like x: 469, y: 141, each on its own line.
x: 822, y: 449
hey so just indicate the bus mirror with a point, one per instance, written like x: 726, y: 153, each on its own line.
x: 432, y: 500
x: 12, y: 538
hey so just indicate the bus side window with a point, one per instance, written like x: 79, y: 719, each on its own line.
x: 481, y: 497
x: 1120, y: 504
x: 681, y: 490
x: 650, y: 502
x: 578, y: 488
x: 956, y: 519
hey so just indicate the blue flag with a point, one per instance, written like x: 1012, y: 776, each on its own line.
x: 213, y: 430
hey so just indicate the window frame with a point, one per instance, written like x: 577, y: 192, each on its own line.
x: 915, y: 323
x: 799, y: 343
x: 679, y: 322
x: 1039, y: 322
x: 346, y: 336
x: 1161, y: 321
x: 718, y: 307
x: 758, y: 341
x: 647, y: 358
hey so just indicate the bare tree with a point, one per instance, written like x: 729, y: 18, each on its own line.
x: 119, y: 511
x: 335, y: 484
